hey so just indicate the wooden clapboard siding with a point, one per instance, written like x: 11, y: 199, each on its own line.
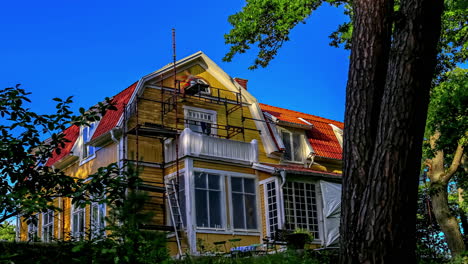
x: 208, y: 239
x: 222, y: 166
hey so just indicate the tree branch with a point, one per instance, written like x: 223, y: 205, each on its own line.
x: 455, y: 163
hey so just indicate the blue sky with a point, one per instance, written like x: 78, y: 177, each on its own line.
x: 93, y: 49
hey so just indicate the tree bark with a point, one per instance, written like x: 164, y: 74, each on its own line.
x: 386, y: 107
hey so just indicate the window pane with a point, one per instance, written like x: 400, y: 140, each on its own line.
x: 236, y: 184
x: 287, y: 145
x: 238, y: 210
x: 249, y: 185
x: 213, y: 182
x: 201, y: 208
x: 200, y: 180
x: 297, y: 147
x: 251, y: 212
x: 215, y: 209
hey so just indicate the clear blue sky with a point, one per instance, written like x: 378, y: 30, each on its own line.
x: 92, y: 49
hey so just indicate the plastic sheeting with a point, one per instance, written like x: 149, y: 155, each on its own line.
x: 331, y: 197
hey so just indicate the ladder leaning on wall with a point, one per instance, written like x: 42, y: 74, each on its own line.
x: 174, y: 209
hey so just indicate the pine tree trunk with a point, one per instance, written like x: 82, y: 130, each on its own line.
x: 447, y: 222
x: 388, y: 93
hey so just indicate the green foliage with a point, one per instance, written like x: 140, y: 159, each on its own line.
x: 267, y: 24
x: 7, y: 231
x: 26, y: 185
x: 291, y: 257
x: 448, y: 111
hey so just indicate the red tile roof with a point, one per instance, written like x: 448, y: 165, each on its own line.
x: 110, y: 119
x: 71, y: 134
x: 321, y: 135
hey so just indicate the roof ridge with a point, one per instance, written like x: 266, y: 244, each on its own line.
x: 327, y: 119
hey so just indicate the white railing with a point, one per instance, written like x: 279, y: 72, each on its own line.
x: 195, y: 144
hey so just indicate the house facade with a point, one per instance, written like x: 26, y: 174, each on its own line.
x: 217, y: 164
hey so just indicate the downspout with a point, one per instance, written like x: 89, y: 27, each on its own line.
x: 282, y: 173
x: 116, y: 141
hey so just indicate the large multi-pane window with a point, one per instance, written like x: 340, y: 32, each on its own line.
x: 300, y: 206
x: 78, y: 222
x: 293, y: 146
x: 48, y: 226
x: 272, y: 208
x: 98, y: 213
x: 244, y: 203
x: 208, y: 200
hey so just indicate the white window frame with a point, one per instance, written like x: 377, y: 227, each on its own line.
x: 232, y: 206
x: 213, y: 114
x: 318, y: 201
x: 76, y: 210
x: 47, y: 226
x: 222, y: 185
x: 291, y: 138
x: 84, y: 148
x: 227, y: 200
x: 279, y: 204
x: 101, y: 232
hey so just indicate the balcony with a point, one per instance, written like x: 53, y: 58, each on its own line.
x: 209, y: 147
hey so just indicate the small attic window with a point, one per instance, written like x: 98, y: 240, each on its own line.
x: 195, y: 85
x: 338, y: 133
x: 87, y: 133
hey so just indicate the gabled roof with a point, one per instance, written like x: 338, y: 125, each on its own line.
x: 71, y: 135
x: 321, y: 136
x: 108, y: 121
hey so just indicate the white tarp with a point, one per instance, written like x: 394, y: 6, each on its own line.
x: 331, y: 197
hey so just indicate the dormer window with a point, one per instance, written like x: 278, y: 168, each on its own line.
x: 293, y: 143
x: 87, y: 133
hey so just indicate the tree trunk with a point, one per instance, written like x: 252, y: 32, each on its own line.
x: 447, y: 222
x: 388, y: 93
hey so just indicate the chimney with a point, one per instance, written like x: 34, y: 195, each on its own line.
x: 242, y: 82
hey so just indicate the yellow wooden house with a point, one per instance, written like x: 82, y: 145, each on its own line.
x: 218, y: 165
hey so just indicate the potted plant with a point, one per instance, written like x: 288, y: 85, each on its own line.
x: 298, y: 238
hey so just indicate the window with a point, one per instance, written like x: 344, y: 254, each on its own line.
x: 208, y: 200
x: 78, y: 222
x: 272, y: 208
x: 300, y: 206
x: 87, y: 133
x: 244, y: 203
x: 48, y: 226
x: 98, y: 212
x: 200, y: 120
x: 293, y: 146
x: 32, y: 228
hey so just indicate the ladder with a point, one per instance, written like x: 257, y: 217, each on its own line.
x: 174, y: 208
